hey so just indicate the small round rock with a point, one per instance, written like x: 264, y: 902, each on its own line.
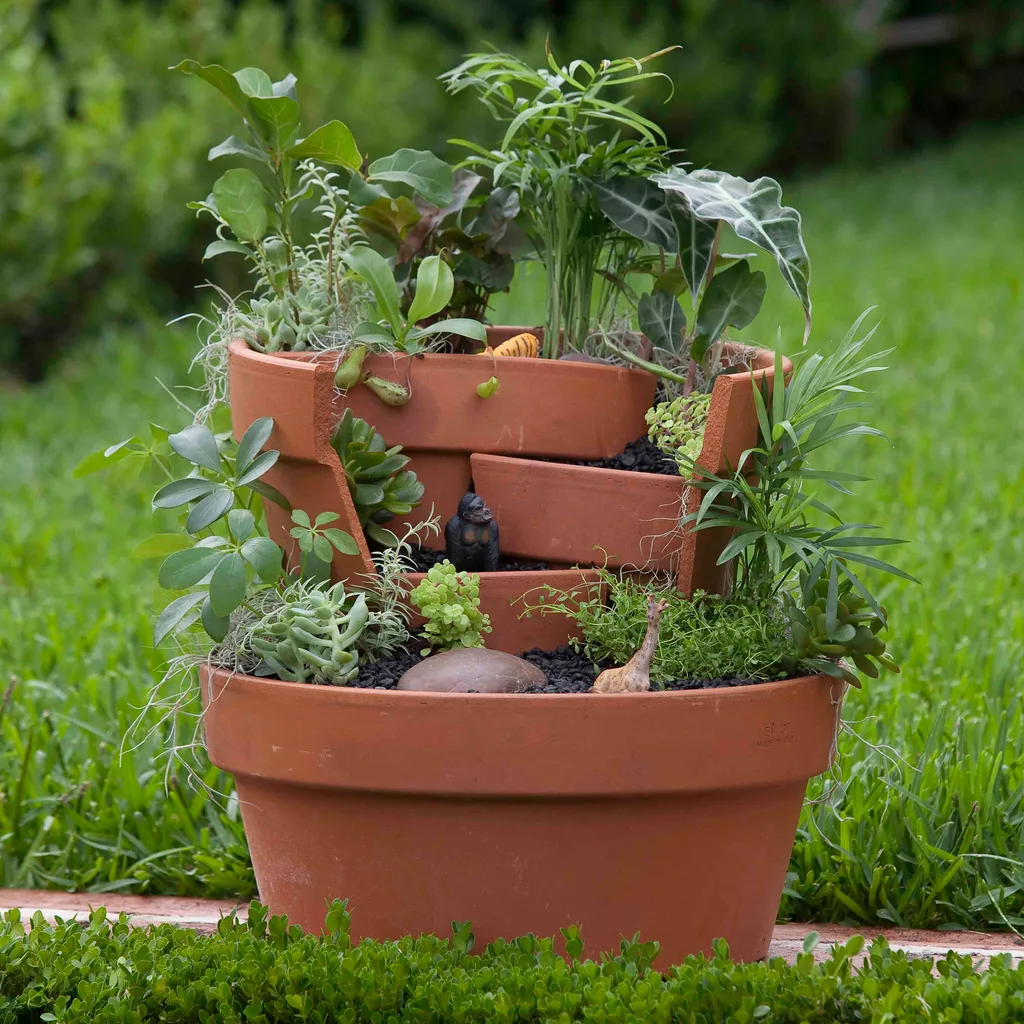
x: 472, y: 669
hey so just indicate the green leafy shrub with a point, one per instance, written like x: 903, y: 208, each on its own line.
x: 380, y: 485
x: 310, y: 634
x: 450, y: 602
x: 677, y: 427
x: 263, y: 969
x: 707, y: 637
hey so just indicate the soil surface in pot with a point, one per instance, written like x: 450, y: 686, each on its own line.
x: 426, y: 558
x: 639, y: 456
x: 567, y: 672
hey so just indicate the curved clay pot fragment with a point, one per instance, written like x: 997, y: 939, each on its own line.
x: 579, y: 514
x: 672, y: 814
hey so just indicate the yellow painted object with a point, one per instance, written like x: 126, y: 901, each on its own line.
x: 521, y: 345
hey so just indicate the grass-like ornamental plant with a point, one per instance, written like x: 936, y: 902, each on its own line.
x: 450, y: 602
x: 569, y: 130
x: 310, y: 635
x: 787, y: 541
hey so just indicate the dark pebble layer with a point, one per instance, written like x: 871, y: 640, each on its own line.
x: 426, y: 558
x: 568, y: 671
x: 640, y: 456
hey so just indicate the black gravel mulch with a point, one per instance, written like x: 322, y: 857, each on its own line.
x: 426, y: 558
x: 640, y: 456
x: 567, y: 670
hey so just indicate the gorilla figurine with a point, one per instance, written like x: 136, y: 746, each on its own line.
x: 471, y: 537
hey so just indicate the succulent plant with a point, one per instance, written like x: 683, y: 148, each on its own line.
x: 290, y: 323
x: 450, y: 602
x: 381, y: 486
x: 852, y: 635
x: 311, y: 636
x: 677, y: 427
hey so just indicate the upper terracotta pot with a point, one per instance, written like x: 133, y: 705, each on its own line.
x: 550, y: 407
x: 671, y: 814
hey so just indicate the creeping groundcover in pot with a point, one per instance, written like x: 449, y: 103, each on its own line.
x: 534, y: 627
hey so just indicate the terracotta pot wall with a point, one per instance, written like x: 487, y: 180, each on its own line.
x: 668, y: 813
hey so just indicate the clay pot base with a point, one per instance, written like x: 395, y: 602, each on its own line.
x: 568, y: 672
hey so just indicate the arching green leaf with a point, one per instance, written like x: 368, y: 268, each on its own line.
x: 732, y: 299
x: 638, y: 207
x: 754, y: 211
x: 331, y: 143
x: 423, y: 172
x: 434, y: 286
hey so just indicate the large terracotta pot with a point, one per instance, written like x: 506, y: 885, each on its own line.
x: 671, y: 814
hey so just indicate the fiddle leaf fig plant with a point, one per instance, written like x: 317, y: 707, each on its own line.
x: 301, y: 286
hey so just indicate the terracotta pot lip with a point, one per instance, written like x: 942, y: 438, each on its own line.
x: 241, y: 350
x: 357, y: 695
x: 620, y: 475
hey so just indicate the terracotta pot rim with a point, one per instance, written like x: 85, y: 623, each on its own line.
x: 553, y: 465
x: 353, y: 694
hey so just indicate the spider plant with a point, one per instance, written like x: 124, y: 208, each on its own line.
x: 565, y: 138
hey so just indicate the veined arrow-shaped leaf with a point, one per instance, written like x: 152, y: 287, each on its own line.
x: 638, y: 207
x: 754, y: 211
x: 732, y: 299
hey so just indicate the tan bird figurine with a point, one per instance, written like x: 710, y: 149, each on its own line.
x: 634, y: 676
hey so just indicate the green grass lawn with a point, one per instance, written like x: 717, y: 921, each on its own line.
x: 922, y: 823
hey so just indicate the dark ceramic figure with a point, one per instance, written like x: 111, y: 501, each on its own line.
x: 471, y: 537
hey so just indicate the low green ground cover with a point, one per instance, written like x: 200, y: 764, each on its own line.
x: 264, y: 971
x: 922, y: 825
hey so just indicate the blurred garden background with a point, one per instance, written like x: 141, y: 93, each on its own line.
x: 897, y: 128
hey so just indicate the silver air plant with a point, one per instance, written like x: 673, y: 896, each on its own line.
x: 311, y: 636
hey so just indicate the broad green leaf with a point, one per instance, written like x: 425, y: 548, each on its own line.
x: 174, y: 613
x: 241, y: 523
x: 241, y: 201
x: 227, y: 585
x: 180, y: 492
x: 696, y: 243
x: 254, y: 82
x: 255, y: 437
x: 96, y: 461
x: 754, y: 211
x: 637, y: 206
x: 732, y: 299
x: 234, y: 146
x: 369, y: 494
x: 462, y: 326
x: 185, y: 569
x: 331, y: 143
x: 161, y: 545
x: 344, y: 542
x: 372, y: 334
x: 264, y: 556
x: 223, y: 245
x: 265, y: 490
x: 260, y: 465
x: 216, y: 626
x: 434, y: 286
x: 220, y: 78
x: 197, y: 444
x: 300, y: 518
x: 377, y: 273
x: 277, y: 119
x: 672, y: 281
x: 662, y: 320
x: 322, y: 548
x: 286, y: 86
x: 423, y: 172
x: 326, y: 517
x: 206, y: 512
